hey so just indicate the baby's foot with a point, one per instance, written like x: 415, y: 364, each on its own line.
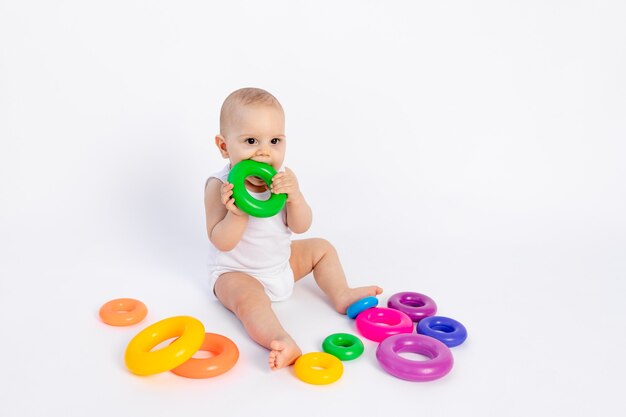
x: 283, y: 353
x: 352, y: 295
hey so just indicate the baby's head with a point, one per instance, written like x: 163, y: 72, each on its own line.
x: 252, y: 126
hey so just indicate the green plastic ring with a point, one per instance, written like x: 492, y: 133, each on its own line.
x: 344, y: 346
x: 243, y: 199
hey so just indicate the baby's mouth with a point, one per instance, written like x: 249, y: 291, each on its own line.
x: 256, y: 181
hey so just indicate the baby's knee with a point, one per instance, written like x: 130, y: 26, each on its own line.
x: 239, y: 292
x: 323, y: 247
x: 247, y: 303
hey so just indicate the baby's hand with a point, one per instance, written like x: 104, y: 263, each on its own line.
x: 228, y: 201
x: 286, y: 183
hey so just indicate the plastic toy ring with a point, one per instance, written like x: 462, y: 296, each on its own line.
x: 417, y: 306
x: 379, y: 323
x: 446, y: 330
x: 123, y: 312
x: 344, y: 346
x: 361, y: 305
x: 141, y: 361
x: 225, y: 356
x: 318, y: 368
x: 439, y: 364
x: 243, y: 199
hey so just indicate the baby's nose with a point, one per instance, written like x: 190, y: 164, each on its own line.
x: 264, y: 150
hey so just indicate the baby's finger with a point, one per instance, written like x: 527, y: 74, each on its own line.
x: 278, y: 178
x: 280, y: 190
x: 226, y: 196
x: 234, y: 209
x: 285, y: 184
x: 277, y: 183
x: 230, y: 205
x: 284, y: 179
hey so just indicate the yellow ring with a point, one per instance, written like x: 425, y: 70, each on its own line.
x: 318, y: 368
x: 141, y: 361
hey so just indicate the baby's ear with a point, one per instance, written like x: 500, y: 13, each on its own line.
x: 220, y: 142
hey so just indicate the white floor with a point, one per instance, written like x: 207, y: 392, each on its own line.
x: 473, y: 153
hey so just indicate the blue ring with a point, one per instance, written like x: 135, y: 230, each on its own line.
x: 446, y: 330
x: 360, y: 306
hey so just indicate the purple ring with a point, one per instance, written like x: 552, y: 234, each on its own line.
x: 438, y: 366
x: 417, y: 306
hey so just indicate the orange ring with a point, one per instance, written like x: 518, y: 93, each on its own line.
x: 226, y: 355
x: 123, y: 312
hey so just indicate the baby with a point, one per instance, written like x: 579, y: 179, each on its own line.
x: 253, y: 261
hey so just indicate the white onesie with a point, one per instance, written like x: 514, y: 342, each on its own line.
x: 263, y: 251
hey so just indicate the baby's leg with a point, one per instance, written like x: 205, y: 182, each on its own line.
x: 319, y: 256
x: 245, y: 296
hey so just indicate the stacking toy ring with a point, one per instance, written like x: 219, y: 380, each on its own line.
x: 437, y: 366
x: 379, y: 323
x: 123, y: 312
x: 243, y: 199
x: 415, y: 305
x: 446, y: 330
x: 318, y: 368
x: 225, y: 356
x: 141, y: 361
x: 361, y: 305
x: 344, y: 346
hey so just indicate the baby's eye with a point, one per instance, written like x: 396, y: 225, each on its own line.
x: 275, y: 141
x: 251, y: 141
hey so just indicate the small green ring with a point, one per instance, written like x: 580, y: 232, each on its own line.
x: 344, y: 346
x: 243, y: 200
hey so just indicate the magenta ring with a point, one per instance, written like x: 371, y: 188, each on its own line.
x: 417, y: 306
x: 379, y: 323
x: 438, y: 366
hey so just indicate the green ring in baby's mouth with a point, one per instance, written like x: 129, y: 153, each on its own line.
x: 257, y: 208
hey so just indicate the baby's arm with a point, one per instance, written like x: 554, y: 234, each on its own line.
x: 299, y: 214
x: 225, y: 223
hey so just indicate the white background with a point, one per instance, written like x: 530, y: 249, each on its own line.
x: 469, y: 150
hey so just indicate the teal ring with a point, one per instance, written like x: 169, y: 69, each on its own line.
x: 363, y: 304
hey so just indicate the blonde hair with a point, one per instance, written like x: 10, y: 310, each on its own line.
x: 244, y: 97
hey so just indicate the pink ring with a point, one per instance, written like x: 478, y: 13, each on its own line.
x: 379, y: 323
x: 417, y: 306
